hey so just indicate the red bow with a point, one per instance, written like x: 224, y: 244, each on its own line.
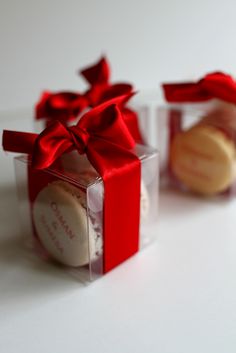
x: 213, y: 85
x: 101, y: 90
x: 98, y: 76
x: 63, y: 106
x: 103, y: 136
x: 66, y: 106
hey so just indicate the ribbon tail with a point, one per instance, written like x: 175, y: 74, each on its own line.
x: 213, y: 85
x: 20, y: 142
x: 185, y: 92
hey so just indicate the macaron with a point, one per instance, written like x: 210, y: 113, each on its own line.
x: 203, y: 158
x: 61, y: 222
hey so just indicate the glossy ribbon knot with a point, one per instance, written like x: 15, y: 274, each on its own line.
x: 80, y: 138
x: 213, y: 85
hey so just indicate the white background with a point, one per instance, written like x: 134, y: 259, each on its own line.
x: 178, y: 296
x: 43, y: 43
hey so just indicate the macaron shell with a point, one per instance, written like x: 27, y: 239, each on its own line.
x: 203, y: 158
x: 61, y: 225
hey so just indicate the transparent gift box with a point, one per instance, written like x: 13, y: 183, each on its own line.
x: 146, y: 104
x: 62, y: 208
x: 197, y: 144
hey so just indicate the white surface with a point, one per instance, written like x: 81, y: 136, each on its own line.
x: 177, y: 296
x: 44, y: 43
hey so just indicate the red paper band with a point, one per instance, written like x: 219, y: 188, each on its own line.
x: 103, y: 136
x: 213, y: 85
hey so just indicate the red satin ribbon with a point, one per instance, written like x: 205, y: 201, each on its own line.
x: 104, y: 137
x: 67, y: 106
x: 101, y: 90
x: 213, y: 85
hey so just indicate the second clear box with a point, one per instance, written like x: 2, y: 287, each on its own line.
x: 197, y: 144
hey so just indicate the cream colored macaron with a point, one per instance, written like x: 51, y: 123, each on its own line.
x: 62, y: 225
x: 203, y: 158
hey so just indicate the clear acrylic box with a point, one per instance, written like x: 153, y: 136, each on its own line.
x: 61, y: 210
x: 197, y: 144
x: 146, y: 104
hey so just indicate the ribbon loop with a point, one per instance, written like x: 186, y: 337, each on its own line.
x: 98, y: 73
x: 63, y: 106
x: 50, y: 145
